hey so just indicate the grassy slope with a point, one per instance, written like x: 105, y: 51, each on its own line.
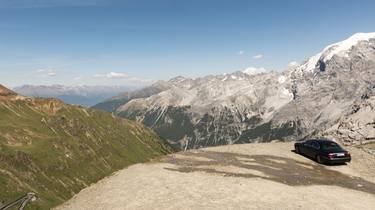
x: 56, y: 154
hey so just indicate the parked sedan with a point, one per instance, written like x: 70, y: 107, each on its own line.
x: 323, y: 151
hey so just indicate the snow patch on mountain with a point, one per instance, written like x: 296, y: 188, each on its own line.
x: 341, y: 48
x: 337, y: 49
x: 310, y: 64
x: 282, y: 79
x: 254, y: 70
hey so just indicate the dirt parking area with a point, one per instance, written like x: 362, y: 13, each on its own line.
x: 249, y: 176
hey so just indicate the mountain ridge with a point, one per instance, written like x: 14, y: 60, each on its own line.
x: 55, y: 149
x: 299, y: 102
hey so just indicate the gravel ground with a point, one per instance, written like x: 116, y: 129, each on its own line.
x: 250, y: 176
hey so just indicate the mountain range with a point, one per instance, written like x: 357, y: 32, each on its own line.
x: 84, y: 95
x: 330, y: 94
x: 55, y: 149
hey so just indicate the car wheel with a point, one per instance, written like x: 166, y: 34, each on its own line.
x: 319, y: 159
x: 297, y: 150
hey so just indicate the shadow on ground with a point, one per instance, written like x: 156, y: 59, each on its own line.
x: 279, y: 169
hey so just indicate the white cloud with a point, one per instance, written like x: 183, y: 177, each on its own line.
x: 257, y: 57
x: 293, y: 64
x: 112, y: 75
x: 77, y: 78
x: 241, y: 52
x: 254, y: 70
x: 46, y: 72
x: 116, y: 75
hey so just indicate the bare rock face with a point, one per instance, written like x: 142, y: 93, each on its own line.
x: 357, y: 126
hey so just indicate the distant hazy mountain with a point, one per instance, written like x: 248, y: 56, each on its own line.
x: 55, y: 149
x: 112, y: 104
x: 79, y: 95
x: 330, y: 94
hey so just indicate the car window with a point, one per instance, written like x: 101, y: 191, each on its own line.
x: 330, y: 145
x: 315, y: 145
x: 308, y: 143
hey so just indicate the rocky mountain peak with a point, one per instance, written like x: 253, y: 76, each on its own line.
x: 177, y: 79
x: 342, y: 48
x: 339, y: 49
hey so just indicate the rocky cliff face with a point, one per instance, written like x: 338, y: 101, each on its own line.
x: 315, y: 98
x: 55, y: 149
x: 337, y: 91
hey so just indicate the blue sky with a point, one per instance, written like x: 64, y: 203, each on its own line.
x: 105, y: 42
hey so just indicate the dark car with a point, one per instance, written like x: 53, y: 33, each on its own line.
x: 323, y: 151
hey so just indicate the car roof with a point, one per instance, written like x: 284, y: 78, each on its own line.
x: 322, y: 140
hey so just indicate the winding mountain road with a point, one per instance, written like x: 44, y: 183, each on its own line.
x: 251, y: 176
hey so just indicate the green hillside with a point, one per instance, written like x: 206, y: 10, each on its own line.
x: 56, y: 150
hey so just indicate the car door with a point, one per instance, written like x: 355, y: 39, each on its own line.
x: 306, y: 147
x: 315, y: 146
